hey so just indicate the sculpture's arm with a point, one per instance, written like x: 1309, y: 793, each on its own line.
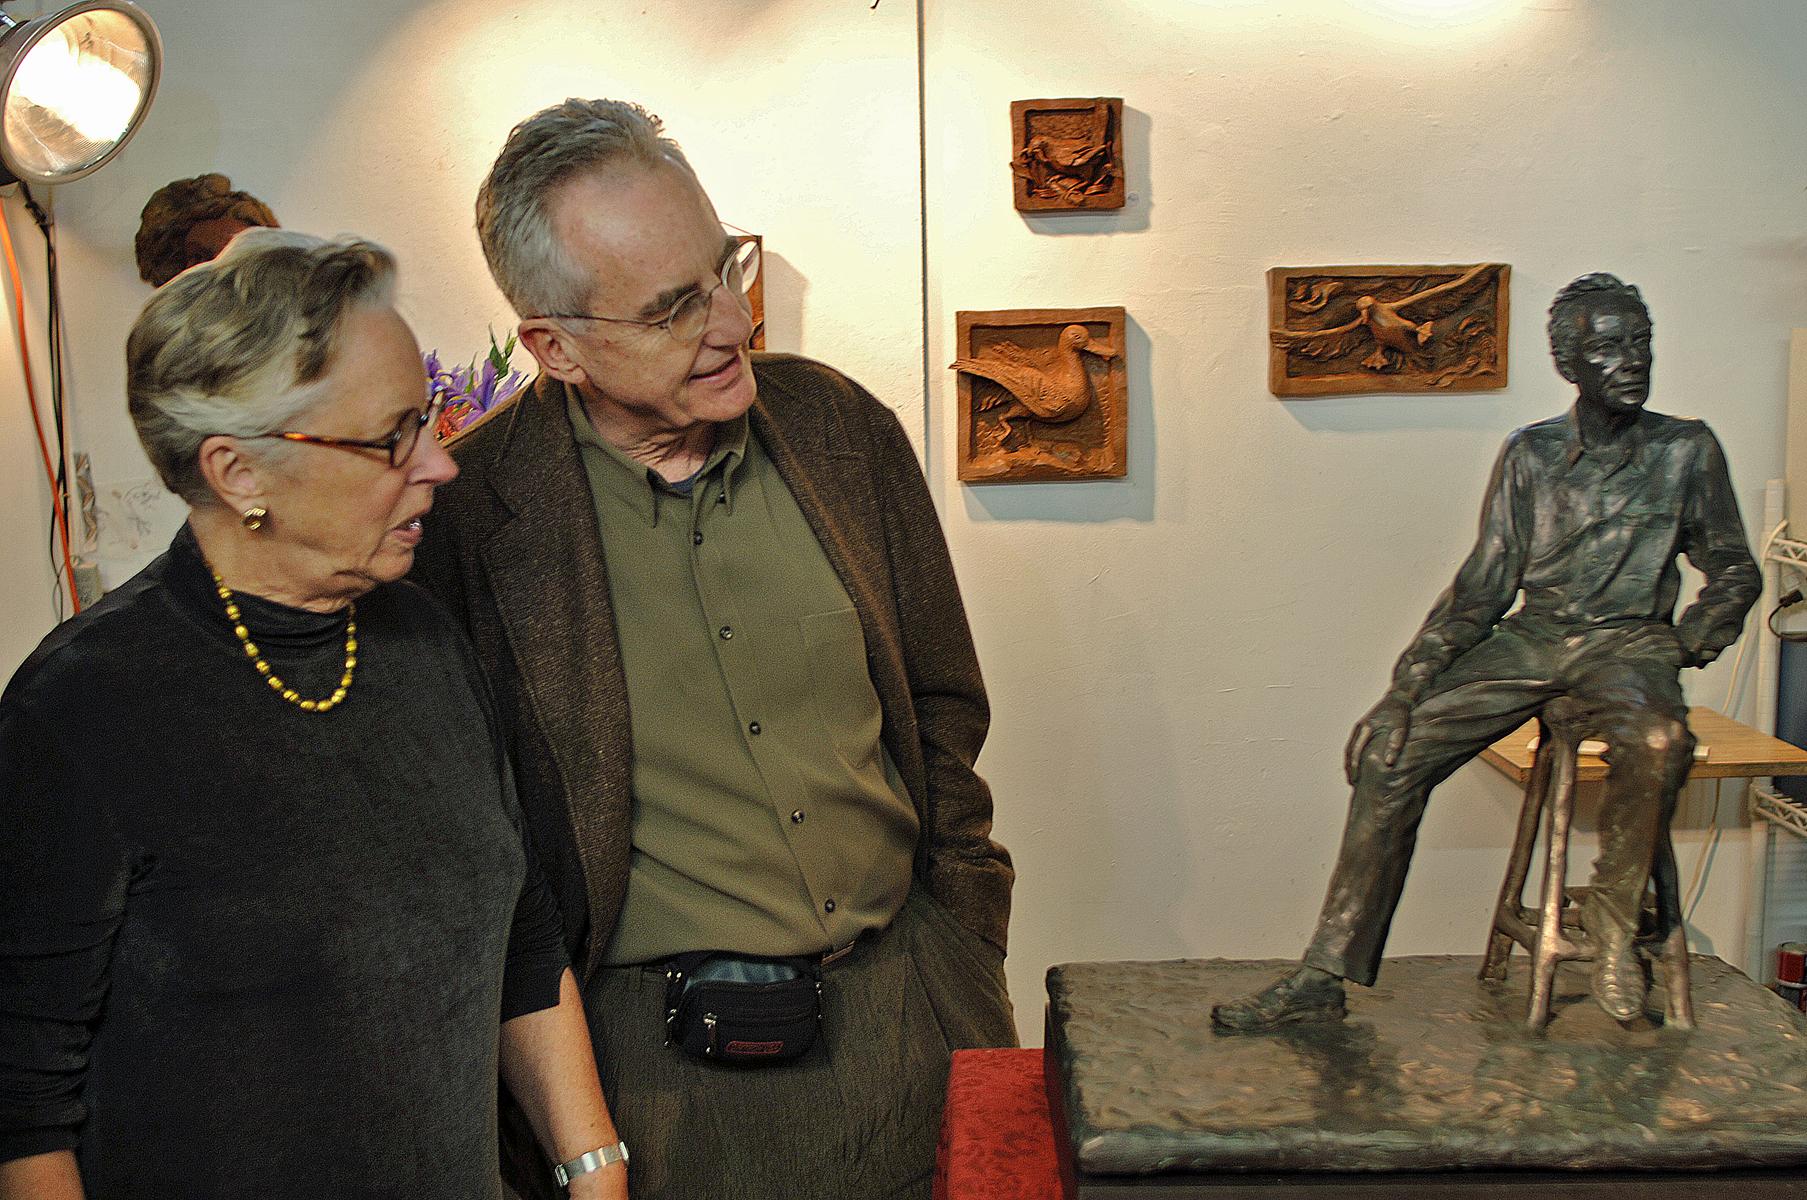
x: 1713, y: 534
x: 1483, y: 589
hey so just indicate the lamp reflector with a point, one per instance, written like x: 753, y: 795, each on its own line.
x: 76, y: 84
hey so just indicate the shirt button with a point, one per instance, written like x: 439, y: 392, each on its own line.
x: 797, y: 817
x: 753, y: 728
x: 726, y: 632
x: 696, y: 537
x: 828, y: 906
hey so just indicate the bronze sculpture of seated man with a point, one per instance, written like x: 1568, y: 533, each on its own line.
x: 1585, y: 515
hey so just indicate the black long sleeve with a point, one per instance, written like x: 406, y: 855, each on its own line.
x: 249, y: 948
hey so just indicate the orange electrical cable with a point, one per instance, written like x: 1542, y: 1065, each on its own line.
x: 37, y: 421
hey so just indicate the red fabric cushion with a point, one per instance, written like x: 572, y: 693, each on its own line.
x: 997, y: 1142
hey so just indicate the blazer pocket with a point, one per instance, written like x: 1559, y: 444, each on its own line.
x: 846, y: 702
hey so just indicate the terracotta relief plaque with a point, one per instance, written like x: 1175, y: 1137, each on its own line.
x: 1068, y: 154
x: 756, y: 293
x: 1043, y: 395
x: 1339, y: 331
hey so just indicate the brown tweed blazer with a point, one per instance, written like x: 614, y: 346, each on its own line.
x: 512, y: 547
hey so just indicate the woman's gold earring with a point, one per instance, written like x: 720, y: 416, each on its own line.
x: 254, y: 518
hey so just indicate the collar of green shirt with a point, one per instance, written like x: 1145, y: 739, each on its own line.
x: 641, y: 488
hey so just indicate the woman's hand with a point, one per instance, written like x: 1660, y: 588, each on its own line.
x: 610, y: 1183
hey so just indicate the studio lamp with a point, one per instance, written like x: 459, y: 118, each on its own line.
x: 74, y: 87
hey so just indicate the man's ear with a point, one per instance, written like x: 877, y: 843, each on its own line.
x: 550, y: 344
x: 231, y: 475
x: 1563, y: 367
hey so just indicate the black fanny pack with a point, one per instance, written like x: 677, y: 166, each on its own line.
x: 746, y: 1011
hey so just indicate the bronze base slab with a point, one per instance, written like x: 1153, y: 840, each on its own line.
x: 1431, y: 1083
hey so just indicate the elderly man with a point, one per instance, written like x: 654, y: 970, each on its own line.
x: 1585, y: 515
x: 715, y: 603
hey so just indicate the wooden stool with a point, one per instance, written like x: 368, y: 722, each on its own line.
x: 1552, y: 933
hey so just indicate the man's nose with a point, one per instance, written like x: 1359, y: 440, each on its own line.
x: 730, y: 317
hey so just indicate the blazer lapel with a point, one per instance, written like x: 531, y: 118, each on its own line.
x: 836, y: 495
x: 789, y: 449
x: 550, y: 582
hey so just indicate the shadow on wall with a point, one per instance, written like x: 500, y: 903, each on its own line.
x: 1130, y: 498
x: 1133, y: 216
x: 785, y: 287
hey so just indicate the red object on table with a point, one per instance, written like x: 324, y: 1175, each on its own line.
x: 997, y: 1139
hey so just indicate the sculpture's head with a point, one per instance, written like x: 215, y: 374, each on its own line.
x: 1600, y: 338
x: 1074, y: 337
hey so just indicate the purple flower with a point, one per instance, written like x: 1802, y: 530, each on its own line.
x: 471, y: 390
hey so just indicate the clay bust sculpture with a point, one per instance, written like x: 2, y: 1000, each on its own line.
x: 190, y: 221
x: 1047, y: 385
x: 1585, y: 515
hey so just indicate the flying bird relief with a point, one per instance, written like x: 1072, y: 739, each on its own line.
x: 1042, y: 394
x: 1348, y: 330
x: 1068, y: 154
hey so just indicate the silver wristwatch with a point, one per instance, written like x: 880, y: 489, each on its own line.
x: 595, y: 1160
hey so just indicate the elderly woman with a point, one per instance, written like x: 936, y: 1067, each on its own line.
x: 267, y: 922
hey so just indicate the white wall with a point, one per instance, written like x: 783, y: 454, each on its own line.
x: 1175, y: 659
x: 381, y: 117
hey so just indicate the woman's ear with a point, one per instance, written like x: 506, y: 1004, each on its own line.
x: 231, y: 475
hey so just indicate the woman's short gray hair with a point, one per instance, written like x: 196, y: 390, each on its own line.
x: 543, y: 152
x: 241, y: 345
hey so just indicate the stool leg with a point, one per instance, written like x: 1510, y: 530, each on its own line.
x: 1550, y: 942
x: 1512, y: 890
x: 1678, y: 999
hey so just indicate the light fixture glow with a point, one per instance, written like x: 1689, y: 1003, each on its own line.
x: 1436, y: 13
x: 74, y: 86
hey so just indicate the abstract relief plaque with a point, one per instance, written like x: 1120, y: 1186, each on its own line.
x: 1338, y: 331
x: 1068, y: 154
x: 1042, y: 394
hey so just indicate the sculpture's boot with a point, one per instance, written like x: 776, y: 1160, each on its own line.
x: 1307, y: 994
x: 1618, y: 979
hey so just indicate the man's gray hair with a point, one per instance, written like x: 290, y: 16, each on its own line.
x: 241, y: 345
x: 542, y: 153
x: 1585, y: 292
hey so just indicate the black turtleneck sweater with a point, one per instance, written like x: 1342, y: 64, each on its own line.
x: 247, y: 950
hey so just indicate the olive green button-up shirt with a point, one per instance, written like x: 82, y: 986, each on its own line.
x: 767, y: 817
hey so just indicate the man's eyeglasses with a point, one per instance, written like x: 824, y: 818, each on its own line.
x: 398, y: 445
x: 688, y: 317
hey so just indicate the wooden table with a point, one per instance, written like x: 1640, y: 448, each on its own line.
x: 1734, y: 751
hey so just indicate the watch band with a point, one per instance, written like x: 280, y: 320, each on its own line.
x: 595, y: 1160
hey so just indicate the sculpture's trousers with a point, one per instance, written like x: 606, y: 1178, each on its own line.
x: 1627, y: 682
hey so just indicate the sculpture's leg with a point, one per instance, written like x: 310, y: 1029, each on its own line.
x: 1512, y: 891
x: 1551, y: 945
x: 1678, y: 1000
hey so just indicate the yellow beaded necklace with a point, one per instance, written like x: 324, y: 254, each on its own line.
x: 263, y: 668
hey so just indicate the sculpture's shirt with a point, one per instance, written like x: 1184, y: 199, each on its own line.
x: 1590, y: 537
x: 767, y: 817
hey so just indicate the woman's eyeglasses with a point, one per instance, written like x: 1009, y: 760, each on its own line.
x: 398, y: 444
